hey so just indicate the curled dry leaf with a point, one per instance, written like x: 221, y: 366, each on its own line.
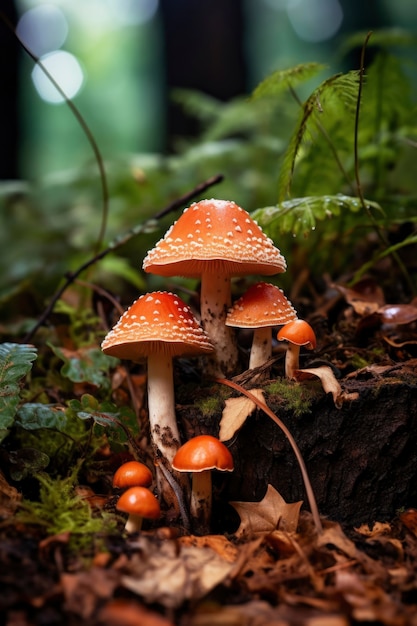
x: 235, y: 413
x: 174, y: 573
x: 329, y: 382
x: 267, y: 515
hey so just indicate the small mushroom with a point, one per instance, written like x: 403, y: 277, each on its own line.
x: 132, y: 474
x: 159, y: 326
x: 215, y: 240
x: 199, y: 456
x: 298, y: 333
x: 139, y: 503
x: 261, y: 307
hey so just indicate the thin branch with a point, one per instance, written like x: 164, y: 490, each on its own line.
x: 309, y: 489
x: 71, y: 276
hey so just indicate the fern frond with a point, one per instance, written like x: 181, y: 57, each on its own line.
x: 334, y: 96
x: 281, y: 80
x: 299, y: 216
x: 382, y: 38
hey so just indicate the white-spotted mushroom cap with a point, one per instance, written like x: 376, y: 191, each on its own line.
x: 157, y: 321
x: 214, y: 236
x: 262, y: 305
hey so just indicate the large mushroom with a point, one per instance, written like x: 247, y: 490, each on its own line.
x: 215, y: 240
x: 297, y: 333
x: 200, y: 456
x: 261, y: 307
x: 158, y: 326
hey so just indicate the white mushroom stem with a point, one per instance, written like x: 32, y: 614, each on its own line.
x: 201, y: 496
x: 161, y: 405
x: 215, y: 302
x: 163, y: 425
x: 292, y: 360
x: 133, y: 523
x: 261, y: 349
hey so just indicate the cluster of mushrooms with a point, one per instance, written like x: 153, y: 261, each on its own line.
x: 213, y: 240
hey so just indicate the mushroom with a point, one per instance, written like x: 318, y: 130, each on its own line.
x: 132, y: 474
x: 200, y: 455
x: 215, y: 240
x: 261, y: 307
x: 158, y: 326
x: 139, y: 503
x: 298, y: 333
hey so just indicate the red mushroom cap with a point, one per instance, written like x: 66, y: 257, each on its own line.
x: 202, y: 453
x: 214, y: 236
x: 132, y: 474
x: 298, y: 332
x: 158, y: 321
x: 262, y: 305
x: 139, y: 501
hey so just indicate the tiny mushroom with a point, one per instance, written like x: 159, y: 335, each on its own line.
x: 298, y: 333
x: 158, y: 326
x: 132, y: 474
x: 261, y: 307
x: 215, y: 240
x: 199, y: 456
x: 139, y: 503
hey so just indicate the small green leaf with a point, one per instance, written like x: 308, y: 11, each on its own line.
x: 32, y: 416
x: 85, y: 365
x: 27, y: 462
x: 15, y: 362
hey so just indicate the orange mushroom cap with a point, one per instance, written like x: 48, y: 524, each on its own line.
x: 132, y: 474
x: 298, y: 332
x: 214, y: 236
x: 157, y: 321
x: 139, y: 501
x: 262, y: 305
x: 202, y: 453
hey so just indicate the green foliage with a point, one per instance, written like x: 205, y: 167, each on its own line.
x: 15, y: 363
x: 60, y: 510
x: 87, y: 364
x: 299, y: 216
x: 282, y: 80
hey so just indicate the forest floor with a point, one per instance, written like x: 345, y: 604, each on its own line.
x: 276, y: 568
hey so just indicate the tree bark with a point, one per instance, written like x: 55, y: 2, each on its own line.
x: 362, y: 458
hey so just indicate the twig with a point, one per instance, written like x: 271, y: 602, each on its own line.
x: 71, y: 276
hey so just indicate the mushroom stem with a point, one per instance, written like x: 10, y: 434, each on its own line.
x: 292, y: 360
x: 215, y: 302
x: 163, y: 424
x: 161, y: 405
x: 200, y: 505
x: 261, y: 349
x: 133, y: 523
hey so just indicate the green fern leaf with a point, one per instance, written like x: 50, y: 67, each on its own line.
x: 282, y: 80
x: 299, y: 216
x: 334, y: 96
x: 15, y: 362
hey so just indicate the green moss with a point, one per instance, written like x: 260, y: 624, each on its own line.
x: 59, y: 510
x: 297, y: 398
x: 209, y: 406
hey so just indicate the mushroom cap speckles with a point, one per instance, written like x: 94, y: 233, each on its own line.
x: 214, y: 236
x: 202, y: 453
x: 298, y: 332
x: 139, y: 501
x: 262, y: 305
x: 157, y: 321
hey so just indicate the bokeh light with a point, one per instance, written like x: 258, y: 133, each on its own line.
x: 65, y: 70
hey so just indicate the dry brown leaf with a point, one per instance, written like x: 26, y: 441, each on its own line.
x: 83, y: 591
x: 173, y: 573
x: 219, y: 543
x: 365, y: 298
x: 9, y: 498
x: 122, y: 612
x: 235, y: 413
x: 329, y: 383
x: 267, y: 515
x: 409, y: 519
